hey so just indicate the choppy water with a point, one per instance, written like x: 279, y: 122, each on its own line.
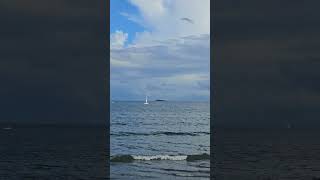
x: 164, y: 140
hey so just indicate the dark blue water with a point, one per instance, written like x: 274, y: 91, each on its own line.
x: 160, y: 138
x: 267, y: 154
x: 52, y: 153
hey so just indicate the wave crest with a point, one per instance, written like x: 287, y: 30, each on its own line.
x: 131, y: 158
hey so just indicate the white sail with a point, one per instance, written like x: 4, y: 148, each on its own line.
x: 146, y: 100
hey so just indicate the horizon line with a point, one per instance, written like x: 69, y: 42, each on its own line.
x: 165, y: 100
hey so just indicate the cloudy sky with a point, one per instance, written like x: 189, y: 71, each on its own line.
x: 160, y: 48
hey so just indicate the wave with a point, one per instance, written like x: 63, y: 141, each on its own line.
x: 119, y: 123
x: 160, y: 157
x: 167, y: 133
x: 131, y: 158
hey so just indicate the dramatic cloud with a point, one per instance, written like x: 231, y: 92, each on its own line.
x: 168, y: 60
x: 173, y: 69
x: 163, y: 18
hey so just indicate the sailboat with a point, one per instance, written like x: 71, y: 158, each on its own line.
x: 146, y: 100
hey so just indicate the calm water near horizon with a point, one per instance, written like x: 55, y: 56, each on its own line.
x: 160, y: 140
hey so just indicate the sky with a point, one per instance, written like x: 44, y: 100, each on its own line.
x: 160, y: 48
x: 52, y: 62
x: 266, y: 63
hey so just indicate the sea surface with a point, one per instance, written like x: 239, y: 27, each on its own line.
x: 52, y: 153
x: 161, y: 140
x: 267, y: 154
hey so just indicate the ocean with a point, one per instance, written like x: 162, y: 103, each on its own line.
x: 52, y: 153
x: 267, y: 154
x: 161, y: 140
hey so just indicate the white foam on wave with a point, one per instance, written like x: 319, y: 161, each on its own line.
x: 160, y: 157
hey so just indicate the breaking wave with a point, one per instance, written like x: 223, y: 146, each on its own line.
x: 131, y: 158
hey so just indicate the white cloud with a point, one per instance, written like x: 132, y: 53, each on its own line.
x: 170, y: 59
x: 172, y: 69
x: 118, y: 39
x: 164, y: 19
x: 150, y: 9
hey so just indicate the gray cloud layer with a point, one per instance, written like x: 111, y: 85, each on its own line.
x: 176, y: 69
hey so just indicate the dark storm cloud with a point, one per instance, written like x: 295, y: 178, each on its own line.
x: 52, y: 61
x: 266, y: 63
